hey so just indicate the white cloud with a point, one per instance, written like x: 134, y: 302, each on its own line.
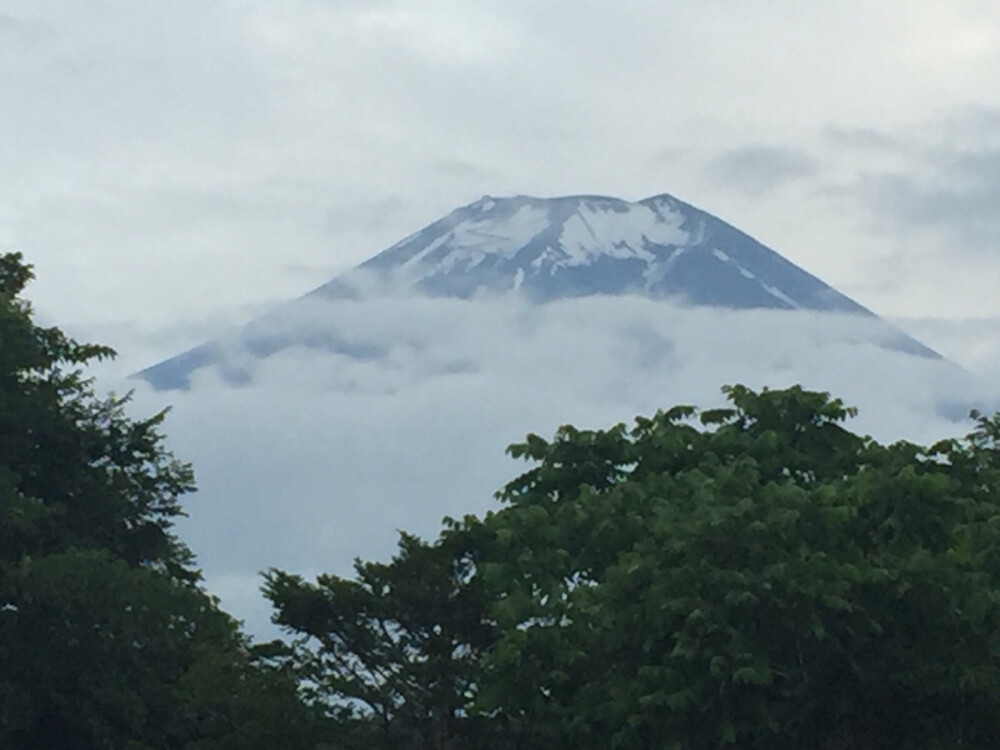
x: 321, y: 458
x: 974, y: 342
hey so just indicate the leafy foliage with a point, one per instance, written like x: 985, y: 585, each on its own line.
x: 106, y: 639
x: 756, y: 576
x: 395, y: 654
x: 75, y: 471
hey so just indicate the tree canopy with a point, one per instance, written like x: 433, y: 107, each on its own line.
x: 756, y: 576
x: 107, y: 639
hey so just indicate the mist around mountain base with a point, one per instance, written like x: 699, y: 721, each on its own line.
x: 312, y: 457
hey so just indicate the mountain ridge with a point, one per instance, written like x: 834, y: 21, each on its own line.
x: 544, y: 249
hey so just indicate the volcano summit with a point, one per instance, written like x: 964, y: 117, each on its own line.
x: 548, y: 249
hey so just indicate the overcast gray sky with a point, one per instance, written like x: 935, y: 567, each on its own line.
x: 172, y: 168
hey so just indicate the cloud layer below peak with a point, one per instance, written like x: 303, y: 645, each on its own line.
x: 320, y: 457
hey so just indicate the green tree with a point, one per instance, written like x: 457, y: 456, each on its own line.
x: 768, y: 579
x: 756, y: 576
x: 106, y: 638
x: 394, y: 655
x: 75, y: 471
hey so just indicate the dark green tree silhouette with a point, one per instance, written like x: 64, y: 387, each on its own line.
x: 395, y: 654
x: 106, y: 638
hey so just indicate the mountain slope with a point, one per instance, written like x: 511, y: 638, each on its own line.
x: 549, y: 249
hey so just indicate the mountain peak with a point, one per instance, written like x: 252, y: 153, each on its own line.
x: 579, y: 245
x: 536, y: 234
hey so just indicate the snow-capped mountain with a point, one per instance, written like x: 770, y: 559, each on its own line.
x: 584, y: 245
x: 547, y: 249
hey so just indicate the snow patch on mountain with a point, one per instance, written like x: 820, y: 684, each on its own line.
x: 602, y: 230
